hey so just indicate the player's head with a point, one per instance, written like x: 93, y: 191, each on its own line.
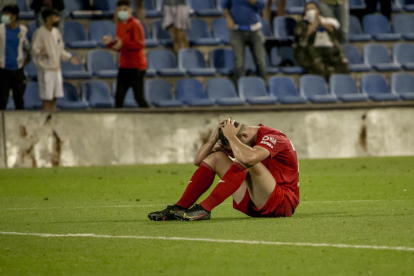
x: 124, y: 9
x: 51, y: 17
x: 10, y: 14
x: 244, y: 136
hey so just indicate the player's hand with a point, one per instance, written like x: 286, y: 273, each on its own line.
x: 107, y: 39
x: 118, y: 44
x: 229, y: 130
x: 216, y: 135
x: 74, y: 60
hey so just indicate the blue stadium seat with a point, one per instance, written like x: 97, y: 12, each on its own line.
x: 31, y: 97
x: 402, y: 84
x: 159, y: 5
x: 200, y: 34
x: 295, y: 6
x: 396, y: 6
x: 192, y: 61
x: 97, y: 94
x: 355, y: 31
x: 191, y: 92
x: 100, y: 63
x: 267, y: 32
x: 409, y: 5
x: 149, y: 40
x: 285, y: 91
x: 74, y: 36
x: 355, y: 63
x: 222, y: 60
x: 204, y: 8
x: 223, y: 92
x: 376, y: 87
x: 315, y: 89
x: 403, y: 53
x: 378, y: 26
x: 270, y: 69
x: 163, y: 36
x: 357, y: 5
x: 404, y: 24
x: 30, y: 70
x: 129, y: 100
x: 284, y: 55
x: 76, y: 9
x: 283, y: 28
x: 70, y: 98
x: 159, y: 93
x: 150, y: 10
x: 345, y: 88
x: 220, y: 30
x: 31, y: 29
x: 25, y: 13
x: 10, y: 104
x: 70, y: 71
x: 163, y: 61
x: 99, y: 28
x: 249, y: 64
x: 377, y: 56
x: 253, y: 91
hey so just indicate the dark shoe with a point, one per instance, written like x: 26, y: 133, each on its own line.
x: 166, y: 214
x: 197, y: 212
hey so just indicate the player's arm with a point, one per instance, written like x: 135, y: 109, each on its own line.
x: 244, y: 154
x: 208, y: 147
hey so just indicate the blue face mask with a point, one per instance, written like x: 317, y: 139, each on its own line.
x: 123, y: 15
x: 5, y: 19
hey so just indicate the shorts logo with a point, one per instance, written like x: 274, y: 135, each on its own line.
x: 271, y: 139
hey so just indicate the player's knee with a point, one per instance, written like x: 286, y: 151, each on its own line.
x: 215, y: 157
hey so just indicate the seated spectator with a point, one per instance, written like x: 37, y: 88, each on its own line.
x: 317, y: 43
x: 177, y: 20
x: 39, y: 5
x: 13, y: 43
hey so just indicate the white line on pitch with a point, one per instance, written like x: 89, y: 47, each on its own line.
x: 155, y: 205
x: 375, y: 247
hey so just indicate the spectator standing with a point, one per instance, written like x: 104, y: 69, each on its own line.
x: 130, y: 42
x: 338, y: 9
x: 39, y: 5
x: 317, y: 44
x: 13, y: 44
x: 176, y: 20
x: 243, y: 21
x: 4, y: 3
x: 267, y: 11
x: 386, y: 7
x: 48, y: 50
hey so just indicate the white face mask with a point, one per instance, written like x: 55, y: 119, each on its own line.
x: 123, y: 15
x: 310, y: 15
x: 5, y: 18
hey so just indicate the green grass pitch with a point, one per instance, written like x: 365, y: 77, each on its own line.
x: 351, y: 202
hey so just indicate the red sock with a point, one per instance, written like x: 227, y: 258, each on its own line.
x: 199, y: 184
x: 228, y: 185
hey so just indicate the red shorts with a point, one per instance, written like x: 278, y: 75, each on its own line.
x: 278, y: 205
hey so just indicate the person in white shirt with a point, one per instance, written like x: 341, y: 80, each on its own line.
x: 48, y: 49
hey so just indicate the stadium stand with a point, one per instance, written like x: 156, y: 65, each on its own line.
x: 70, y: 98
x: 249, y: 64
x: 101, y: 64
x: 283, y: 28
x: 10, y: 104
x: 267, y: 32
x: 70, y: 71
x: 25, y: 12
x: 31, y: 28
x: 162, y: 36
x: 357, y: 5
x: 97, y: 94
x: 159, y: 93
x: 31, y: 97
x: 253, y: 91
x: 377, y: 56
x: 285, y: 91
x: 30, y: 71
x: 192, y: 61
x: 315, y: 89
x: 220, y: 30
x: 163, y: 61
x: 75, y: 36
x: 409, y: 5
x: 356, y: 34
x: 204, y: 8
x: 100, y: 28
x: 375, y: 86
x: 285, y: 55
x: 222, y: 60
x: 345, y: 88
x: 402, y: 84
x: 355, y: 63
x: 149, y: 40
x: 200, y: 34
x: 378, y: 26
x: 191, y: 92
x: 222, y: 92
x: 76, y: 9
x: 403, y: 53
x: 404, y: 24
x: 295, y: 6
x: 150, y: 10
x: 129, y: 100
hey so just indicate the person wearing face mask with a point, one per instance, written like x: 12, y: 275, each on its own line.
x: 48, y: 50
x: 39, y: 5
x: 13, y: 45
x: 317, y: 46
x: 130, y: 43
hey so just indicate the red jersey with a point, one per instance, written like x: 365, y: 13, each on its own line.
x: 282, y: 161
x: 132, y: 55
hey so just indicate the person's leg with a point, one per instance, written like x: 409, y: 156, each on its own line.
x: 326, y: 10
x: 18, y: 87
x: 238, y: 45
x: 4, y: 88
x: 138, y: 86
x: 173, y: 33
x: 386, y: 8
x: 256, y: 44
x: 140, y: 12
x: 342, y: 14
x: 122, y: 86
x: 267, y: 11
x: 371, y: 6
x: 182, y: 39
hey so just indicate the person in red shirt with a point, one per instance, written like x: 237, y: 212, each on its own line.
x: 262, y: 175
x: 130, y: 42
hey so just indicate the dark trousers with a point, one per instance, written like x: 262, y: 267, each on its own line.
x: 385, y: 7
x: 16, y: 81
x: 130, y: 78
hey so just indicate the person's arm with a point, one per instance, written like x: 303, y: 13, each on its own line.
x: 135, y: 40
x: 229, y: 20
x: 330, y: 24
x: 245, y: 155
x: 38, y: 48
